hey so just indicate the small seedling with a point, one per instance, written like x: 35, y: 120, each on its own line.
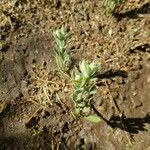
x: 110, y: 5
x: 63, y: 59
x: 83, y: 81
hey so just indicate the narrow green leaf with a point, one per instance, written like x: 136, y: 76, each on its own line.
x: 93, y: 118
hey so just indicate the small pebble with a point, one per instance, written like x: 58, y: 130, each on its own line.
x: 114, y: 95
x: 134, y: 76
x: 119, y: 80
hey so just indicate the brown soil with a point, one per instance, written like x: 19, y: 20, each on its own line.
x: 35, y: 99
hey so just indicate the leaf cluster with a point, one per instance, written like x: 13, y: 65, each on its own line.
x: 63, y: 59
x: 83, y: 81
x: 110, y: 5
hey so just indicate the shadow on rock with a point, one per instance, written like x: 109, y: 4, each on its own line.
x: 112, y: 73
x: 145, y: 9
x: 131, y: 125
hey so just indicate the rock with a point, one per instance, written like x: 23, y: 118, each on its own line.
x: 114, y: 95
x: 134, y: 76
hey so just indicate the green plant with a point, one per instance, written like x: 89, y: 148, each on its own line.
x: 83, y: 79
x: 84, y: 87
x: 63, y: 59
x: 110, y: 5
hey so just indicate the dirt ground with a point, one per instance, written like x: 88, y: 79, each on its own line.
x: 35, y: 99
